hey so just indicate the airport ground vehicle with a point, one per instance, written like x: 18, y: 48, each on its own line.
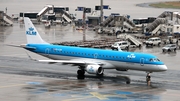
x: 153, y: 41
x: 122, y: 44
x: 169, y: 47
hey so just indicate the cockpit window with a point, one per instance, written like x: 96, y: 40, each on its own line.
x: 154, y: 60
x: 158, y: 59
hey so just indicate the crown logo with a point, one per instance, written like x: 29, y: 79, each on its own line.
x: 31, y: 29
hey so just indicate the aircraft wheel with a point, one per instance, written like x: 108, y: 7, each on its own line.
x: 127, y: 82
x: 148, y: 79
x: 81, y: 77
x: 81, y: 72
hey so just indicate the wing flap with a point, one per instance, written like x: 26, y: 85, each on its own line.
x: 77, y: 62
x: 64, y: 62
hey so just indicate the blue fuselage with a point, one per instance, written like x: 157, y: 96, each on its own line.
x: 114, y: 59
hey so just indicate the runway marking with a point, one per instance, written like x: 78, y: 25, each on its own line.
x: 105, y: 96
x: 5, y: 66
x: 74, y: 99
x: 28, y: 80
x: 12, y: 86
x: 98, y: 95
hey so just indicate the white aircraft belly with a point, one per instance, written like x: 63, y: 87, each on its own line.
x: 106, y: 63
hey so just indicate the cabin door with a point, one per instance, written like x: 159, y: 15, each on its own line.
x: 96, y: 55
x: 47, y: 52
x: 142, y: 61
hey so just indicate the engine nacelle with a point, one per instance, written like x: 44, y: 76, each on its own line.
x: 94, y: 69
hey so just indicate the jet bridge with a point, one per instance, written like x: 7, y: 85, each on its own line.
x: 134, y: 40
x: 47, y: 8
x: 107, y: 21
x: 66, y: 16
x: 124, y: 24
x: 166, y: 14
x: 5, y: 19
x: 55, y: 10
x: 161, y: 19
x: 127, y: 22
x: 111, y: 20
x: 156, y: 25
x: 131, y: 39
x: 43, y: 11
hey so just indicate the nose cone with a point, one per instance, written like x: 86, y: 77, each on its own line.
x: 163, y: 68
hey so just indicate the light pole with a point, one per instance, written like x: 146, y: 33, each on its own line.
x: 84, y: 24
x: 6, y: 10
x: 85, y: 10
x: 101, y: 11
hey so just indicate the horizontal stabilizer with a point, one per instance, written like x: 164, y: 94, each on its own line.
x: 13, y: 45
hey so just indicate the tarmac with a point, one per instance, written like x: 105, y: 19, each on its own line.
x: 25, y: 80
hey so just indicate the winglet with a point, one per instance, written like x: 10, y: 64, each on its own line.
x: 32, y: 34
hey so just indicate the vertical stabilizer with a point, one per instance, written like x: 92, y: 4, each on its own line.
x: 32, y: 34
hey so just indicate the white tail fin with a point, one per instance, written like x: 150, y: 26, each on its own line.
x: 31, y: 33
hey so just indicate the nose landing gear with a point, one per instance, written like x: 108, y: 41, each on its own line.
x: 148, y: 79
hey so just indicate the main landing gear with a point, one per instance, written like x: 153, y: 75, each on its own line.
x: 148, y: 79
x: 80, y: 73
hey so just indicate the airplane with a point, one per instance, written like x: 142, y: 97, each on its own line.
x: 90, y: 60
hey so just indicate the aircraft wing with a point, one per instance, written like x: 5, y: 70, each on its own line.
x: 74, y: 62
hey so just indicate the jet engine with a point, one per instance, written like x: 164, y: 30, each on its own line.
x: 94, y: 69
